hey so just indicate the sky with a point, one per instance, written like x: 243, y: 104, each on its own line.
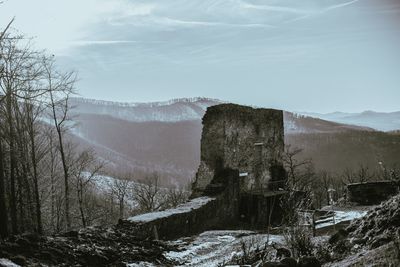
x: 298, y: 55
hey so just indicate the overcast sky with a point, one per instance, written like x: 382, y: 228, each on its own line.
x: 308, y: 55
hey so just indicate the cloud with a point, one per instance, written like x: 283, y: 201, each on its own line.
x: 124, y: 8
x: 321, y: 11
x: 179, y: 22
x: 274, y: 8
x: 101, y: 42
x: 341, y: 5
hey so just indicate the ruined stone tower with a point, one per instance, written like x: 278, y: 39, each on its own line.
x: 240, y: 180
x: 245, y: 139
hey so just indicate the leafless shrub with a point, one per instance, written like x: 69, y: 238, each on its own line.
x: 298, y: 239
x: 254, y: 249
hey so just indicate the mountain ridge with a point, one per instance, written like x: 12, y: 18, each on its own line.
x: 382, y: 121
x: 181, y: 109
x: 166, y: 138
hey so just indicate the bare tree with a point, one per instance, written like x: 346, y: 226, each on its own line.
x: 348, y: 176
x: 51, y: 167
x: 60, y: 88
x: 120, y: 188
x: 148, y: 194
x: 301, y: 175
x: 364, y: 174
x: 3, y: 208
x: 176, y: 196
x: 85, y: 168
x: 361, y: 175
x: 300, y: 172
x: 19, y: 71
x: 326, y: 184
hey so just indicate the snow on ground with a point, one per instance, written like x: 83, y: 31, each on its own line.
x: 340, y: 216
x: 141, y: 264
x: 103, y: 183
x: 213, y: 248
x: 183, y: 208
x: 8, y: 263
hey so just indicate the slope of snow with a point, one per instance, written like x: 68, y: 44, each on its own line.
x: 104, y: 185
x: 141, y: 264
x: 183, y: 208
x: 340, y: 216
x: 8, y: 263
x: 291, y: 125
x: 213, y: 248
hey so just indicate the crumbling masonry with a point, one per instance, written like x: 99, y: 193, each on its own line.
x: 240, y: 179
x: 244, y: 139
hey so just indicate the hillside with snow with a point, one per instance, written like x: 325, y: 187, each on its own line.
x: 183, y: 109
x: 382, y: 121
x: 165, y: 137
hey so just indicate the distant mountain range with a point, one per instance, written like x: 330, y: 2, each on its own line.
x: 183, y: 109
x: 377, y: 120
x: 192, y: 109
x: 165, y: 137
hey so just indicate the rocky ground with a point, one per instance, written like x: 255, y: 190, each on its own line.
x: 376, y: 235
x: 217, y: 248
x: 94, y: 246
x: 373, y: 240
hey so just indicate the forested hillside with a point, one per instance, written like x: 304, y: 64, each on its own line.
x: 336, y: 152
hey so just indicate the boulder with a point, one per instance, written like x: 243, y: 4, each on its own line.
x: 289, y: 262
x: 274, y: 264
x: 308, y: 262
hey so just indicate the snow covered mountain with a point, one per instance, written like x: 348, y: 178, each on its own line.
x: 377, y: 120
x: 191, y: 109
x: 182, y: 109
x: 295, y: 123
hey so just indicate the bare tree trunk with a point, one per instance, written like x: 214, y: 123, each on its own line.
x: 3, y: 209
x: 52, y: 182
x: 121, y: 208
x: 66, y: 178
x: 31, y: 130
x: 63, y: 160
x: 80, y: 202
x: 28, y: 213
x: 82, y: 214
x: 13, y: 196
x: 20, y: 206
x: 52, y: 199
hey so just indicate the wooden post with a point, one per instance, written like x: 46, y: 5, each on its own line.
x: 155, y: 232
x: 313, y: 224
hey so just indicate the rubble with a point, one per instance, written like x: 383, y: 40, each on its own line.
x: 93, y: 246
x: 377, y: 228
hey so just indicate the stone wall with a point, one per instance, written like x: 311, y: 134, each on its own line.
x: 219, y: 211
x: 242, y: 138
x: 371, y: 193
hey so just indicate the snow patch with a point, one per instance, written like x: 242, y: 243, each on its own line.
x: 213, y: 248
x: 183, y: 208
x: 141, y: 264
x: 340, y: 216
x: 8, y: 263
